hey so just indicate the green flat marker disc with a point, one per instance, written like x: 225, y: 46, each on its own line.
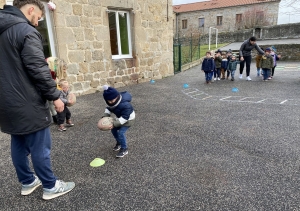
x: 97, y: 162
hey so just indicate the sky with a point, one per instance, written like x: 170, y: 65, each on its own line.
x: 288, y: 13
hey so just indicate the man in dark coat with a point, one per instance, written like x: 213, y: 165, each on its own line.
x: 245, y: 55
x: 25, y: 87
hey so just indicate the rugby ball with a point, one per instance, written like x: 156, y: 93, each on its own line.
x: 72, y: 97
x: 105, y: 123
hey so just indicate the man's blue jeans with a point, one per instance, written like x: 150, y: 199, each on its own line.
x: 38, y: 144
x: 119, y: 134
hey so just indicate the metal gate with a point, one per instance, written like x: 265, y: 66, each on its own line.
x: 177, y: 57
x: 185, y: 51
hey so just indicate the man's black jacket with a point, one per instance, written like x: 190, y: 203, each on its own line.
x: 25, y: 80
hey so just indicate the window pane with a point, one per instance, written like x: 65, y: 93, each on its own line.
x: 42, y: 28
x: 113, y: 33
x: 184, y: 24
x: 201, y: 22
x: 123, y: 32
x: 219, y: 20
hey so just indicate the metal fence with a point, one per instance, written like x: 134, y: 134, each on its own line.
x: 185, y: 50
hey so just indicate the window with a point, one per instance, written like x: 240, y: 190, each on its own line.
x: 201, y: 22
x: 238, y: 18
x: 219, y: 20
x: 46, y: 30
x: 184, y: 24
x: 120, y: 36
x: 260, y: 15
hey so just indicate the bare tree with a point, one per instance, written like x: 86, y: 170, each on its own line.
x: 255, y: 17
x: 291, y: 3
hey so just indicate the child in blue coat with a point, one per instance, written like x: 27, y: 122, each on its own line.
x: 119, y: 104
x: 208, y: 67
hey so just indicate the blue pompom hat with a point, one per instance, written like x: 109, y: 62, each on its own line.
x: 268, y: 49
x: 109, y: 93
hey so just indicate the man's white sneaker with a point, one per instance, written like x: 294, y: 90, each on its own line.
x: 59, y: 189
x: 218, y: 79
x: 215, y: 79
x: 248, y: 78
x: 28, y: 189
x: 241, y: 76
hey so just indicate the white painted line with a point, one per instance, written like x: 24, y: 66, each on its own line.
x: 201, y: 93
x: 196, y: 95
x: 191, y: 92
x: 225, y: 98
x: 261, y: 101
x: 189, y: 89
x: 283, y: 101
x: 206, y: 97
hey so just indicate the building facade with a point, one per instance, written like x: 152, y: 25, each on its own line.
x: 109, y: 41
x: 224, y: 15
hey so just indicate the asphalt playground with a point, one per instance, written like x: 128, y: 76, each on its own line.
x: 202, y: 147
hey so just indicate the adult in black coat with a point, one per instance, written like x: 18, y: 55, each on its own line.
x: 245, y: 55
x: 25, y: 86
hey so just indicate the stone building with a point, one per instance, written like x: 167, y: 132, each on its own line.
x: 115, y: 42
x: 224, y: 15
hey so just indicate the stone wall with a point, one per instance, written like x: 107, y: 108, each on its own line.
x: 228, y: 20
x: 282, y: 31
x: 87, y: 44
x: 83, y: 41
x: 288, y: 52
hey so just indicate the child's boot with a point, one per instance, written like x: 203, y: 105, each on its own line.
x: 61, y: 128
x: 69, y: 123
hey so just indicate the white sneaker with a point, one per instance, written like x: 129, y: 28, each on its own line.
x: 59, y: 189
x: 28, y: 189
x: 248, y: 78
x: 218, y: 79
x: 241, y: 76
x: 215, y: 79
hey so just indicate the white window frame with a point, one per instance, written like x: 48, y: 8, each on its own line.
x: 50, y: 30
x: 49, y: 27
x: 9, y: 2
x: 120, y: 56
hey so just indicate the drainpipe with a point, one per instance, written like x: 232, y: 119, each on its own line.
x: 177, y: 25
x: 167, y: 10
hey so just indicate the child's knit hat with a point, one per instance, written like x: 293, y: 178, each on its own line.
x: 109, y: 93
x: 268, y: 49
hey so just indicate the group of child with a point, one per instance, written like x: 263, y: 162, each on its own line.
x: 118, y: 104
x: 221, y: 65
x: 267, y: 63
